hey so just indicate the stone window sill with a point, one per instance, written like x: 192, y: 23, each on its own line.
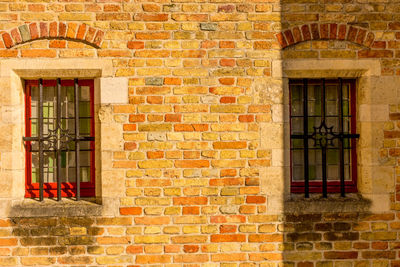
x: 334, y: 203
x: 49, y: 208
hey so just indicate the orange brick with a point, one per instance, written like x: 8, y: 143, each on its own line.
x: 190, y: 210
x: 155, y: 154
x: 192, y: 163
x: 227, y: 229
x: 129, y: 127
x: 190, y: 248
x: 228, y: 238
x: 130, y: 211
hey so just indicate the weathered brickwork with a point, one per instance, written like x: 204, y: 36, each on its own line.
x: 195, y: 161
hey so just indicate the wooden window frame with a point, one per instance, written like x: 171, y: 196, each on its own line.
x: 68, y: 189
x: 349, y: 186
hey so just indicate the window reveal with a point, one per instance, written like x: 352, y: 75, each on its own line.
x: 323, y: 132
x: 59, y: 138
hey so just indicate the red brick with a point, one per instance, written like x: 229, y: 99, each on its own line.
x: 34, y: 31
x: 226, y: 8
x: 342, y: 32
x: 44, y: 31
x: 332, y: 31
x: 62, y: 29
x: 351, y: 36
x: 227, y: 100
x: 129, y: 127
x: 228, y: 238
x: 16, y: 35
x: 7, y: 40
x: 281, y: 40
x: 53, y: 29
x: 361, y: 36
x: 190, y: 200
x: 255, y: 199
x: 98, y: 38
x: 289, y: 37
x: 297, y: 35
x: 90, y: 34
x: 323, y: 30
x: 246, y: 118
x: 305, y: 29
x: 80, y: 35
x: 315, y: 31
x: 379, y: 44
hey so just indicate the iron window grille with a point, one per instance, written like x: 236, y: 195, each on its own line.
x: 323, y: 136
x: 59, y: 138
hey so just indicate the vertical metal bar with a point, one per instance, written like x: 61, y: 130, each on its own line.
x: 323, y: 147
x: 77, y: 149
x: 305, y: 140
x: 41, y: 156
x: 341, y: 145
x: 58, y: 132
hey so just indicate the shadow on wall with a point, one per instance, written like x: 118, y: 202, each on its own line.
x: 328, y: 232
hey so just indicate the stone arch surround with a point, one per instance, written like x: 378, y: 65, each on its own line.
x: 326, y: 31
x: 79, y: 32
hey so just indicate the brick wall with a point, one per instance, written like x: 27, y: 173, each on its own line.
x: 200, y: 150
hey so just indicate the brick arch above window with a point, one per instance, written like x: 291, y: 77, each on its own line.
x: 79, y: 32
x: 326, y: 31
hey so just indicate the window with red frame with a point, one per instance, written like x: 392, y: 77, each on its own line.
x: 323, y: 136
x: 59, y: 134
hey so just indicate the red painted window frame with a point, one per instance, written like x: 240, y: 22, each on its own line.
x: 50, y: 189
x: 333, y: 186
